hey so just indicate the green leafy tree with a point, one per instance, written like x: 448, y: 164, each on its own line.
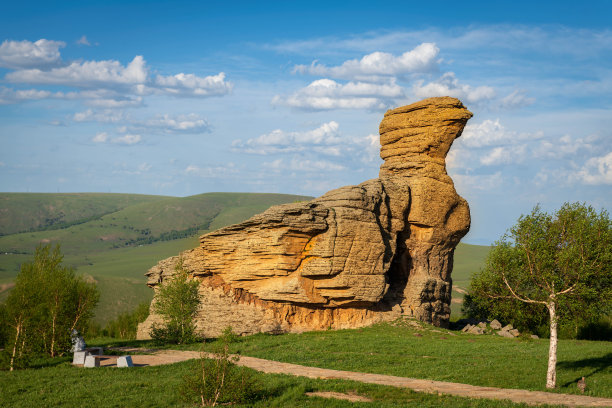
x: 47, y: 302
x: 177, y: 301
x: 560, y: 262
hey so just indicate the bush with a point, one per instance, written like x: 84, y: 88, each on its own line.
x: 177, y: 301
x: 215, y: 379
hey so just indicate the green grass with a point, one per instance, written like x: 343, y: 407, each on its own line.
x: 67, y: 386
x: 468, y: 259
x: 436, y: 354
x: 31, y: 211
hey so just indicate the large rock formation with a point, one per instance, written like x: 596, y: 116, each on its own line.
x: 352, y: 257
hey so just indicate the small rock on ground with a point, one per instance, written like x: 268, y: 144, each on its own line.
x: 339, y: 395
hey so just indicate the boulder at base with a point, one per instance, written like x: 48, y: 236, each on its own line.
x: 352, y: 257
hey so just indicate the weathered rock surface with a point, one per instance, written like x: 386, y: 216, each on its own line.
x: 352, y: 257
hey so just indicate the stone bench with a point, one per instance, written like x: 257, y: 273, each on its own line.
x: 92, y: 361
x: 79, y: 356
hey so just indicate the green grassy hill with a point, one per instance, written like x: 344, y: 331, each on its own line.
x: 23, y: 212
x: 468, y: 259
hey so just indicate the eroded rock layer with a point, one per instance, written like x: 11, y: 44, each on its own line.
x: 352, y: 257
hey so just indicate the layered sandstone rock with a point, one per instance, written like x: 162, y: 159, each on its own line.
x: 352, y: 257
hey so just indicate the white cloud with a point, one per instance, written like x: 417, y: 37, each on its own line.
x: 105, y: 116
x: 191, y: 123
x: 326, y: 94
x: 210, y: 171
x: 26, y: 54
x: 144, y: 167
x: 321, y: 139
x: 113, y: 103
x: 566, y: 147
x: 492, y: 133
x: 192, y: 85
x: 127, y: 139
x: 516, y: 99
x: 86, y: 74
x: 448, y: 85
x: 422, y: 58
x: 83, y: 41
x: 597, y: 170
x: 101, y: 137
x: 504, y: 155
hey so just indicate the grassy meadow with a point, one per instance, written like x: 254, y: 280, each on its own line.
x: 116, y: 241
x: 402, y: 348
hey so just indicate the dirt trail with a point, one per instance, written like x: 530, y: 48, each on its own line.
x: 158, y: 357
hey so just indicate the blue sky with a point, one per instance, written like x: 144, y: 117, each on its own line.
x: 181, y: 98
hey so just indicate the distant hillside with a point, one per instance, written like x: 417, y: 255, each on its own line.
x: 150, y: 220
x: 23, y: 212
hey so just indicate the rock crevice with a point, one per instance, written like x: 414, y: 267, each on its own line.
x: 352, y: 257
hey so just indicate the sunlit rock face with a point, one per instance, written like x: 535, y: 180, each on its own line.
x: 352, y: 257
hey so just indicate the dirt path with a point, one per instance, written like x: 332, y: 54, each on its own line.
x: 157, y: 357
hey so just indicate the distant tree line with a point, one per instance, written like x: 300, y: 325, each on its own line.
x: 164, y: 236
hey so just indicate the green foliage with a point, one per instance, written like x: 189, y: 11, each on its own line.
x: 177, y: 301
x: 228, y: 336
x: 46, y: 304
x: 565, y: 257
x: 125, y: 325
x: 215, y: 379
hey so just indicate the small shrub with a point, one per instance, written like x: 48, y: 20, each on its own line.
x: 215, y: 379
x: 177, y: 301
x: 229, y: 336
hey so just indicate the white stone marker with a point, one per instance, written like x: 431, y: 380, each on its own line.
x: 91, y: 361
x: 125, y: 361
x: 79, y: 357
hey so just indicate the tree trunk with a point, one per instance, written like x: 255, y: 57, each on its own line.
x: 551, y: 374
x: 18, y: 332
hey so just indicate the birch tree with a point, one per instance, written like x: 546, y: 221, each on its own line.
x: 47, y: 302
x: 561, y: 262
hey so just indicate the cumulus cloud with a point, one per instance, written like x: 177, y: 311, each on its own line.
x: 191, y: 123
x: 26, y: 54
x: 320, y: 139
x: 449, y: 85
x: 105, y: 116
x: 127, y: 139
x: 372, y: 67
x: 86, y: 74
x: 597, y: 170
x: 192, y: 85
x: 566, y: 147
x: 324, y: 94
x: 102, y: 84
x: 492, y: 133
x: 504, y: 155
